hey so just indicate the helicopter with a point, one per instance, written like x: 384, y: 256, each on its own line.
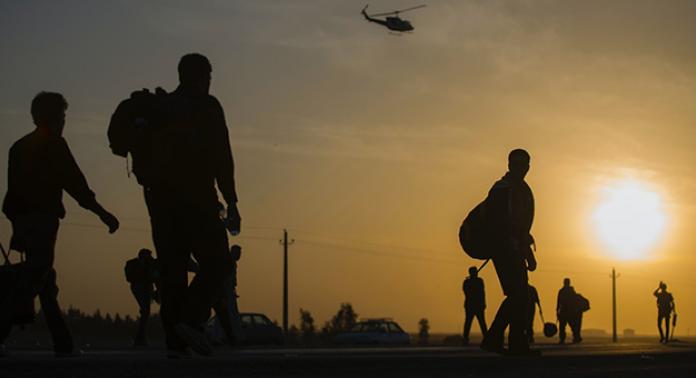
x: 394, y: 22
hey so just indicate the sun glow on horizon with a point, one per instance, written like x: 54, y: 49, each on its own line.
x: 630, y: 219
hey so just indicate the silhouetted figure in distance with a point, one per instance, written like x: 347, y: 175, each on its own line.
x: 41, y: 167
x: 568, y: 312
x: 142, y: 275
x: 191, y: 155
x: 474, y: 303
x: 510, y: 208
x: 531, y: 310
x: 665, y: 307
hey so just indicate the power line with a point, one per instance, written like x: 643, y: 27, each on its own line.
x: 378, y: 253
x: 418, y: 258
x: 551, y: 270
x: 94, y: 225
x: 336, y: 244
x: 655, y: 278
x: 380, y: 245
x: 146, y: 229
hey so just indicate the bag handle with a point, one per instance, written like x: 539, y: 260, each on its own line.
x: 5, y: 255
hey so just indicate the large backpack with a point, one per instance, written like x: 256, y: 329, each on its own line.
x: 132, y: 126
x: 474, y: 234
x: 132, y: 270
x: 582, y: 303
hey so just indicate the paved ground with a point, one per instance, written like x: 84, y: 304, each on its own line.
x: 635, y: 359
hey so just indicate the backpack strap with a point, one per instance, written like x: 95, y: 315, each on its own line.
x: 483, y: 265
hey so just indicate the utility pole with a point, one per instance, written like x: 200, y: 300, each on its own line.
x: 614, y: 276
x: 285, y: 243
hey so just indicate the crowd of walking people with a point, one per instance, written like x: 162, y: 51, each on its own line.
x: 498, y: 230
x: 182, y: 158
x: 570, y: 307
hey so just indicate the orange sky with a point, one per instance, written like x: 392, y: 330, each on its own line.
x: 371, y: 148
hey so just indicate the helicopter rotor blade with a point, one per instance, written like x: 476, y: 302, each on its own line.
x: 396, y: 12
x: 383, y: 14
x: 412, y: 8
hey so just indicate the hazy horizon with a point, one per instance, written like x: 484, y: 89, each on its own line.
x: 371, y: 148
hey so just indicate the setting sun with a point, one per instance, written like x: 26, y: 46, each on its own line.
x: 630, y: 219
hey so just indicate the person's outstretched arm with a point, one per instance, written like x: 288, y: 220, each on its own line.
x: 530, y: 258
x: 76, y: 185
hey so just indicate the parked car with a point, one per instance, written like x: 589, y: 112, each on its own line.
x: 257, y: 329
x: 374, y: 332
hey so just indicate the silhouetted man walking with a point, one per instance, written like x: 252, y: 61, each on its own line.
x: 191, y: 155
x: 568, y: 312
x: 531, y: 310
x: 474, y: 303
x: 41, y: 167
x: 665, y: 307
x: 510, y: 207
x: 141, y: 273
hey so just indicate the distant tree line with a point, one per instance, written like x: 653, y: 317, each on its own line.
x: 307, y: 334
x: 99, y: 331
x: 89, y: 330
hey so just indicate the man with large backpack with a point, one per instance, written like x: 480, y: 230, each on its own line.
x: 41, y: 167
x: 510, y: 212
x: 142, y: 275
x: 184, y: 155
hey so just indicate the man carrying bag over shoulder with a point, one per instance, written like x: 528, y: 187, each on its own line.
x: 41, y: 167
